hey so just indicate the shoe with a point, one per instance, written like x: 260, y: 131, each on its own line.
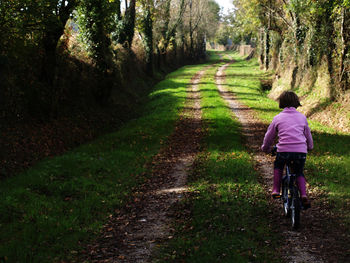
x: 276, y: 195
x: 306, y: 203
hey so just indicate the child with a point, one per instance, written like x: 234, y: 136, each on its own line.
x: 294, y: 140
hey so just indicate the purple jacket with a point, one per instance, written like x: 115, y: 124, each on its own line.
x: 293, y: 131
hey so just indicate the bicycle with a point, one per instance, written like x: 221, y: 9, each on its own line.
x: 291, y: 201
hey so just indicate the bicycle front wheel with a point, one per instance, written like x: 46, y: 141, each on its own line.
x: 295, y: 213
x: 285, y: 200
x: 286, y: 208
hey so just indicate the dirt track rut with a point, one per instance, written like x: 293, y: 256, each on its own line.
x: 132, y: 234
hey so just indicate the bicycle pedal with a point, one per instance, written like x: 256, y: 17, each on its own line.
x: 276, y: 196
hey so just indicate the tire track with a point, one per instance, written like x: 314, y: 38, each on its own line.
x: 132, y: 234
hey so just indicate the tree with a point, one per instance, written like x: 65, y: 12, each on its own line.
x: 96, y: 25
x: 44, y: 21
x: 55, y: 15
x: 342, y: 9
x: 123, y: 33
x: 306, y: 32
x: 145, y: 28
x: 168, y: 18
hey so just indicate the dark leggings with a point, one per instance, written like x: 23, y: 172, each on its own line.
x: 298, y: 162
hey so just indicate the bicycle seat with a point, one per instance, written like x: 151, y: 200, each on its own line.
x: 293, y: 164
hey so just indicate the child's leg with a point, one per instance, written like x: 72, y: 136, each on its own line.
x: 299, y: 168
x: 302, y: 188
x: 277, y: 178
x: 302, y: 185
x: 301, y: 158
x: 277, y: 173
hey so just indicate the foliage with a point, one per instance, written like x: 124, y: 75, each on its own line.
x: 213, y: 19
x: 96, y: 24
x: 123, y: 31
x: 315, y: 30
x: 30, y: 32
x: 222, y: 35
x: 32, y: 21
x: 34, y: 43
x: 145, y: 27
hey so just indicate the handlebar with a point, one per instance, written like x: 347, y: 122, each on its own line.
x: 274, y: 150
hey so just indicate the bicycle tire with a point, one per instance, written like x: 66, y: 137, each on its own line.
x: 286, y: 209
x: 285, y: 200
x: 295, y: 212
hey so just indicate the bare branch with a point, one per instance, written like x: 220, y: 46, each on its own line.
x: 278, y: 12
x: 197, y: 23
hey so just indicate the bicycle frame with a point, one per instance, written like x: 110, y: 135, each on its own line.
x: 291, y: 201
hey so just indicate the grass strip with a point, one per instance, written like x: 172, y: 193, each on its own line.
x: 328, y: 165
x: 229, y: 219
x: 50, y: 211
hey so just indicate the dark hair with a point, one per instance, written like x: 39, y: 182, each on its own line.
x: 288, y: 99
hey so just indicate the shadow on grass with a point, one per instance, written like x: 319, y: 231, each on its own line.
x: 276, y: 111
x: 319, y: 107
x: 331, y: 144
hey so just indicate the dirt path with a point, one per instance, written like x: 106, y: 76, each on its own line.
x: 320, y: 238
x: 131, y: 235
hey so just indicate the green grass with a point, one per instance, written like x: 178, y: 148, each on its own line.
x: 328, y: 165
x: 50, y: 211
x: 229, y: 210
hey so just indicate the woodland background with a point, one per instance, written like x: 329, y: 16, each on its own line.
x: 71, y: 70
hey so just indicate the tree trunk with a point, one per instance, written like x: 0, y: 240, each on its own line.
x: 159, y: 64
x: 267, y: 48
x: 54, y: 31
x: 344, y: 32
x: 48, y: 71
x: 131, y: 22
x: 148, y: 25
x: 262, y: 47
x: 51, y: 37
x: 329, y: 31
x: 191, y: 32
x: 50, y: 41
x: 125, y: 34
x: 182, y: 49
x: 267, y: 39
